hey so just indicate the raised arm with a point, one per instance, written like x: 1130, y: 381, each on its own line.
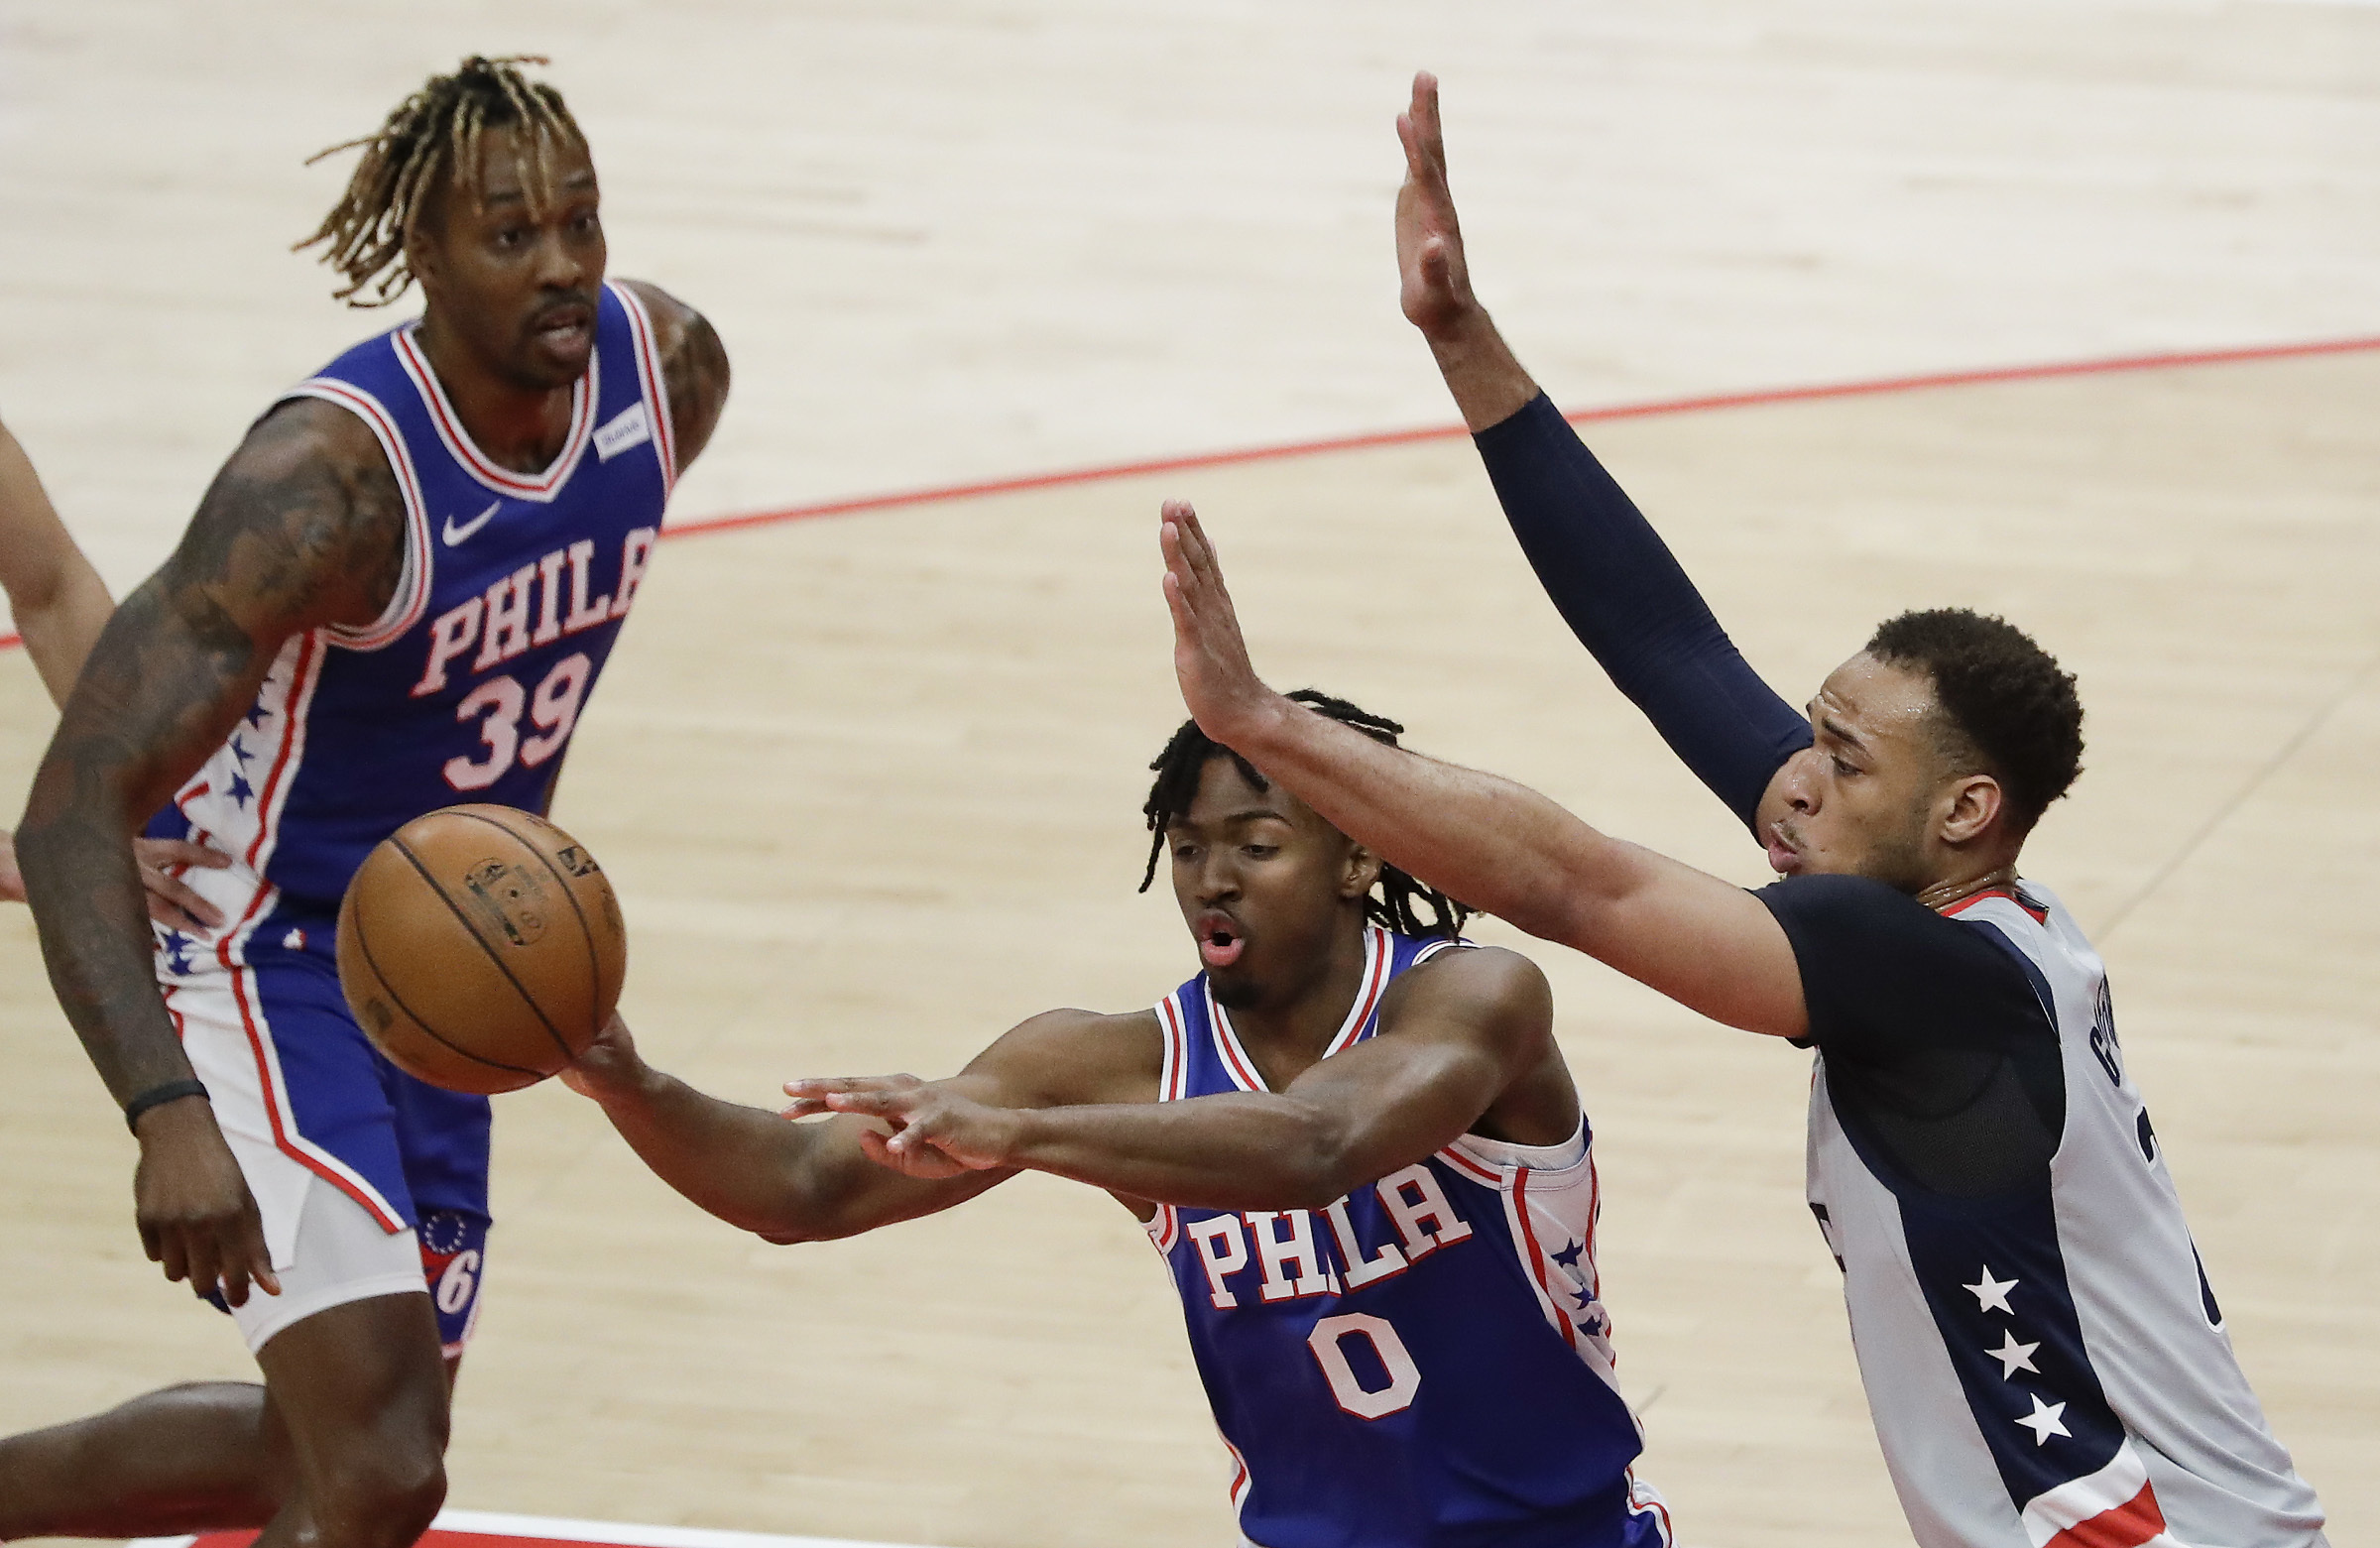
x: 1495, y: 844
x: 1609, y: 573
x: 303, y: 527
x: 1457, y: 1036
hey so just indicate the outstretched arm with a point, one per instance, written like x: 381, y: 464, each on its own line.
x: 784, y: 1181
x: 303, y: 527
x: 1613, y: 578
x: 1457, y: 1033
x: 1497, y: 845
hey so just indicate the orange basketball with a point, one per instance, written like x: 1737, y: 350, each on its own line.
x: 481, y: 948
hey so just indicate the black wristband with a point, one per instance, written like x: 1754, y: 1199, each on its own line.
x: 158, y: 1097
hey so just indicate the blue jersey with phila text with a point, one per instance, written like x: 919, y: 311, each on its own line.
x: 468, y: 686
x: 1424, y: 1362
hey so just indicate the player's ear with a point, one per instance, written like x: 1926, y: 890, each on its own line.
x: 1362, y: 872
x: 1975, y: 802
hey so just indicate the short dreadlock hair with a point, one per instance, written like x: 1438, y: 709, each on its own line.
x: 1395, y: 900
x: 436, y: 131
x: 2005, y: 708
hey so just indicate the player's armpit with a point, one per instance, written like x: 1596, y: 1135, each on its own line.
x: 694, y: 368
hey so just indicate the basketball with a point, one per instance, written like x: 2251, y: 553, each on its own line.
x: 481, y: 948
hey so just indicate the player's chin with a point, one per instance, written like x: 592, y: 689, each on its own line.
x: 1234, y: 987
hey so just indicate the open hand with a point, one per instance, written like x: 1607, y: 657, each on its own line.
x: 192, y: 1207
x: 928, y: 1131
x: 1434, y: 279
x: 1210, y: 658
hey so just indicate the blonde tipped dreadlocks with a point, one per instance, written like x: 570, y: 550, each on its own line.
x: 435, y: 130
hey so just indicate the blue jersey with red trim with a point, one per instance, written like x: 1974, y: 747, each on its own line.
x: 467, y: 688
x: 1426, y: 1360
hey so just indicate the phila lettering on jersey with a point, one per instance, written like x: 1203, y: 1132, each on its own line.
x: 468, y: 687
x: 2049, y: 1369
x: 1426, y: 1360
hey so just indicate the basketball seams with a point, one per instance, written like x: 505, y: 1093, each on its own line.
x: 355, y: 926
x: 586, y: 935
x: 464, y: 920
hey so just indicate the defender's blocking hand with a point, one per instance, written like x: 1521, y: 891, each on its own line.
x: 1434, y: 277
x: 1210, y: 658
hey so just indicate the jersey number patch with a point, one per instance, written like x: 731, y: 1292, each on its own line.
x: 498, y: 704
x: 1328, y: 1340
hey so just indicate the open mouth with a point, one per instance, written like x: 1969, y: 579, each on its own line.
x: 1220, y: 942
x: 565, y: 327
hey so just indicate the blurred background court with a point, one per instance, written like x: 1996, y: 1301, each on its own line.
x: 869, y: 783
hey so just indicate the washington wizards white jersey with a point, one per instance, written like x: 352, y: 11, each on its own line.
x: 1424, y: 1362
x: 2051, y: 1371
x: 468, y: 686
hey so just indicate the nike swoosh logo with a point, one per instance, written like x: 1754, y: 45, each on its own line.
x: 458, y: 534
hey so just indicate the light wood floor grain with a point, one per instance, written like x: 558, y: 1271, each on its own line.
x: 870, y: 785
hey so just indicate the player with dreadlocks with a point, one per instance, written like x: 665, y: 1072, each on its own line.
x: 1350, y: 1135
x: 395, y: 596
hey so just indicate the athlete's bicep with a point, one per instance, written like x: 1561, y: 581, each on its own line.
x: 1454, y: 1035
x: 295, y: 533
x: 694, y: 368
x: 1068, y: 1058
x: 1706, y: 943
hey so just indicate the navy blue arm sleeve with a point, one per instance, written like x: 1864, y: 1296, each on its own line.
x: 1624, y: 596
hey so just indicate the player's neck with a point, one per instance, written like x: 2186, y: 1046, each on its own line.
x: 1954, y: 890
x: 1288, y: 1031
x: 520, y: 428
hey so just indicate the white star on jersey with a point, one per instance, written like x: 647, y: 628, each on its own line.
x: 2014, y: 1357
x: 2043, y: 1421
x: 1991, y: 1294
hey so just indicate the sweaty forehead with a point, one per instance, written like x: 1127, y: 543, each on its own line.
x: 1877, y: 701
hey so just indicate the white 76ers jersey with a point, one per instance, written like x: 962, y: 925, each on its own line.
x: 2051, y: 1371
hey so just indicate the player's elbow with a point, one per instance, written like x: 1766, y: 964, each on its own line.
x: 1317, y: 1167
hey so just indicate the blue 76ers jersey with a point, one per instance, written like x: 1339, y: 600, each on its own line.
x: 468, y: 686
x: 1425, y: 1361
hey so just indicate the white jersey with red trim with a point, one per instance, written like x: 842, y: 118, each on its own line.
x: 2050, y: 1370
x: 1425, y: 1361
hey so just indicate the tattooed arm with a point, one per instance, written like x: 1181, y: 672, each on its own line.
x: 303, y: 527
x: 694, y: 368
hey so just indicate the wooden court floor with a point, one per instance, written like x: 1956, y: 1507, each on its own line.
x: 870, y: 785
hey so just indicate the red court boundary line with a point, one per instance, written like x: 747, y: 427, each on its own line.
x: 1655, y: 409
